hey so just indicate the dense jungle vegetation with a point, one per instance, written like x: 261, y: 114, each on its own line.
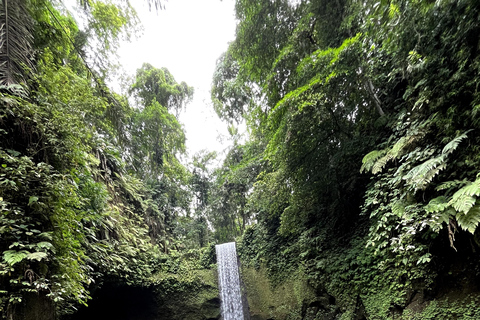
x: 358, y: 171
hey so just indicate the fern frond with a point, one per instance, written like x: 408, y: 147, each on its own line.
x: 436, y: 205
x: 398, y: 208
x: 370, y: 159
x: 472, y: 189
x: 398, y: 146
x: 462, y: 202
x: 378, y: 166
x: 441, y: 217
x: 420, y: 176
x: 450, y: 184
x: 464, y: 199
x: 469, y: 221
x: 452, y: 145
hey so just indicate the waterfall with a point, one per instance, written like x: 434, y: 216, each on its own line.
x: 229, y: 282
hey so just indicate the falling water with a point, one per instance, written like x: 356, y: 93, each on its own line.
x: 229, y: 281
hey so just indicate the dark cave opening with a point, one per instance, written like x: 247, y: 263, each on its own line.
x: 119, y: 302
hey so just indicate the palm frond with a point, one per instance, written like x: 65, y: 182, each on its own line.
x: 16, y: 52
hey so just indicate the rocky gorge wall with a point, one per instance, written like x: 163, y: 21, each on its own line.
x: 292, y: 299
x: 169, y: 297
x: 457, y: 297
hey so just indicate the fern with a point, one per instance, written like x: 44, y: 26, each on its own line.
x: 469, y: 221
x: 436, y: 205
x: 441, y: 217
x: 463, y: 203
x: 398, y: 208
x: 376, y: 160
x: 400, y: 146
x: 452, y: 145
x: 472, y: 189
x: 378, y: 166
x: 370, y: 159
x: 450, y: 184
x: 12, y: 257
x: 464, y: 199
x: 38, y: 256
x: 420, y: 176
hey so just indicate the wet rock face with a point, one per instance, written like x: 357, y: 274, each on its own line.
x: 190, y: 308
x: 35, y: 306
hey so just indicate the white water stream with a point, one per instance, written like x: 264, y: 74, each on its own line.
x: 229, y: 281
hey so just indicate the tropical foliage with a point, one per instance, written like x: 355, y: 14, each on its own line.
x: 90, y: 186
x: 365, y: 118
x: 358, y: 170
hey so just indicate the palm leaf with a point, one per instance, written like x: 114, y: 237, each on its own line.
x: 16, y: 52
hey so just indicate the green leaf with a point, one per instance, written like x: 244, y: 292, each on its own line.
x: 464, y: 199
x: 46, y: 235
x: 421, y: 176
x: 13, y: 152
x: 370, y: 159
x: 442, y: 217
x: 470, y: 220
x: 12, y: 256
x: 452, y: 145
x: 45, y: 245
x: 378, y: 166
x: 463, y: 203
x: 32, y: 199
x: 438, y: 204
x: 37, y: 256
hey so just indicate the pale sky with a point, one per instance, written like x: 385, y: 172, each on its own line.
x: 186, y: 38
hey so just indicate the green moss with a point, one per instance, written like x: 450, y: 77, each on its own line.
x: 283, y: 301
x: 193, y: 295
x: 464, y: 308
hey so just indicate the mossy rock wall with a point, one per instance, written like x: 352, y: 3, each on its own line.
x: 292, y: 299
x: 192, y: 297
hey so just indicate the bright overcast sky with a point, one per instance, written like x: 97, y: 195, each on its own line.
x: 186, y: 38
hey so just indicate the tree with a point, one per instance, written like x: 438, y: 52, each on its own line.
x: 72, y: 211
x: 153, y: 84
